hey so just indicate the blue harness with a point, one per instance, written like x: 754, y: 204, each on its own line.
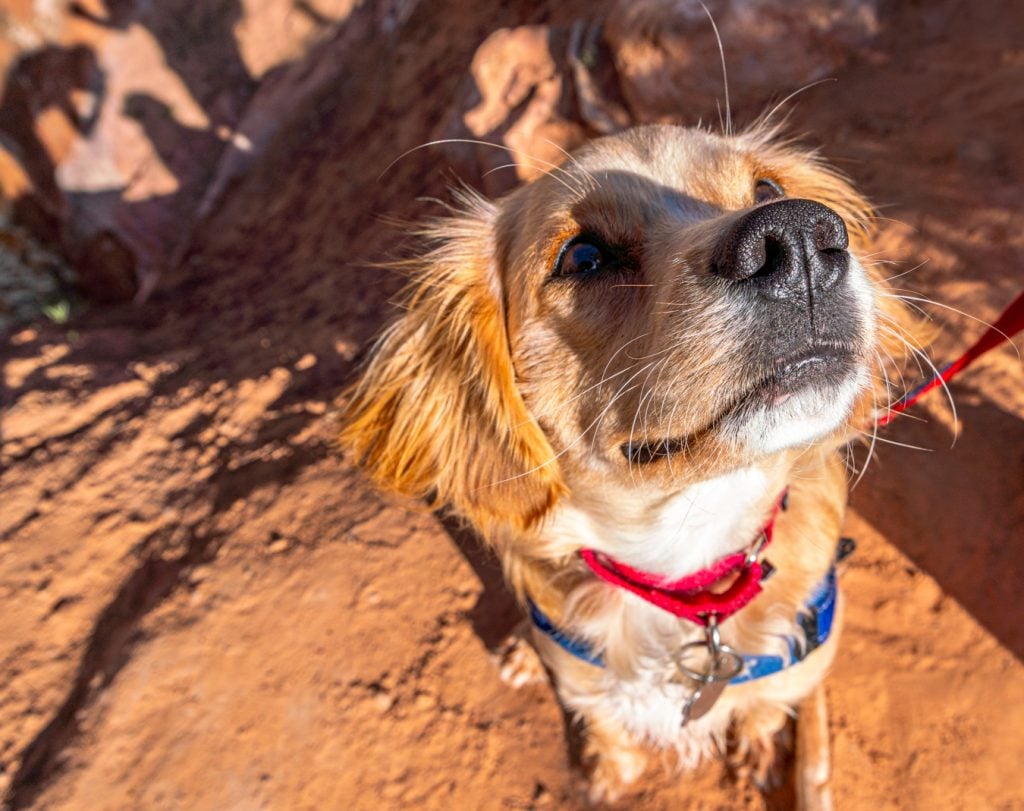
x: 815, y: 618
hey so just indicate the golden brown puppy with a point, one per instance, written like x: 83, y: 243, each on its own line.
x: 635, y: 356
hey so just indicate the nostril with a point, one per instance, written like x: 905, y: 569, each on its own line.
x: 830, y: 234
x: 774, y: 255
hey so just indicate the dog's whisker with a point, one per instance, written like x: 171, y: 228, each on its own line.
x: 899, y: 444
x: 918, y: 266
x: 636, y: 412
x: 874, y: 424
x: 982, y: 321
x: 762, y: 121
x: 615, y: 398
x: 577, y: 193
x: 575, y: 161
x: 727, y: 127
x: 540, y: 163
x: 919, y: 353
x: 605, y: 377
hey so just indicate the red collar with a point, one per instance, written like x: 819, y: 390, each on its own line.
x: 694, y: 597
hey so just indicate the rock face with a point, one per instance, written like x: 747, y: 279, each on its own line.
x: 204, y: 606
x: 540, y: 90
x: 121, y: 123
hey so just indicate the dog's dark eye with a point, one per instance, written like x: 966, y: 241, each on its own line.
x: 580, y: 257
x: 766, y: 189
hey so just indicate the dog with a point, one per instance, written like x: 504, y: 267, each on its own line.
x: 629, y: 376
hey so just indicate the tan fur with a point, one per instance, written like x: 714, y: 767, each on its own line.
x: 437, y: 414
x: 505, y: 395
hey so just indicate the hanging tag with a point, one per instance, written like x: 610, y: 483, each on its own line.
x: 712, y: 665
x: 702, y: 700
x: 711, y: 683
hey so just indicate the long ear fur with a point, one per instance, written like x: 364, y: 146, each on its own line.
x: 437, y: 414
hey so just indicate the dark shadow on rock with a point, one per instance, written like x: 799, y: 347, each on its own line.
x: 120, y: 246
x: 115, y: 242
x: 198, y: 43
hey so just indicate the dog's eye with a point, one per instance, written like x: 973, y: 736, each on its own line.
x: 580, y: 257
x: 766, y: 189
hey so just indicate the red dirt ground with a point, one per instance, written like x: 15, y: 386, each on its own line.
x: 204, y: 606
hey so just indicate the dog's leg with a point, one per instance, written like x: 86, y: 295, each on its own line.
x: 612, y: 760
x: 518, y: 661
x: 755, y: 751
x: 813, y: 763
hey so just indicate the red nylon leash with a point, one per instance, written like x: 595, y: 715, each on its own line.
x: 1009, y: 324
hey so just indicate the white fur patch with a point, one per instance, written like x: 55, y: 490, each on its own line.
x: 670, y: 535
x: 806, y: 417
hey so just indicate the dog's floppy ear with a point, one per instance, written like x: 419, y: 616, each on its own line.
x: 437, y: 413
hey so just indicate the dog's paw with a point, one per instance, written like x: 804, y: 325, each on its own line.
x: 762, y: 743
x: 612, y: 763
x: 519, y: 663
x: 611, y: 776
x: 759, y: 762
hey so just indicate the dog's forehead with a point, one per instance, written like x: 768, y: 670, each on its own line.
x: 622, y: 183
x: 678, y: 155
x: 660, y: 163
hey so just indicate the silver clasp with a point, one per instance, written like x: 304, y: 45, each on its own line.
x: 755, y: 550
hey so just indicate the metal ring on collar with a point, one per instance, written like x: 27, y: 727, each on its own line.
x: 725, y: 655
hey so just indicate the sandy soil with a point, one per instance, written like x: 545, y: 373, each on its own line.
x: 204, y: 606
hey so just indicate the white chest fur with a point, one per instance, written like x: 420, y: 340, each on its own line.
x: 670, y: 535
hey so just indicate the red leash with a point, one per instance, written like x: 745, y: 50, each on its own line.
x: 1009, y: 324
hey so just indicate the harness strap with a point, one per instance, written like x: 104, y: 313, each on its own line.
x: 577, y: 647
x: 815, y: 618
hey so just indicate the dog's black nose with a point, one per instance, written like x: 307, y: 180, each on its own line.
x: 787, y: 250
